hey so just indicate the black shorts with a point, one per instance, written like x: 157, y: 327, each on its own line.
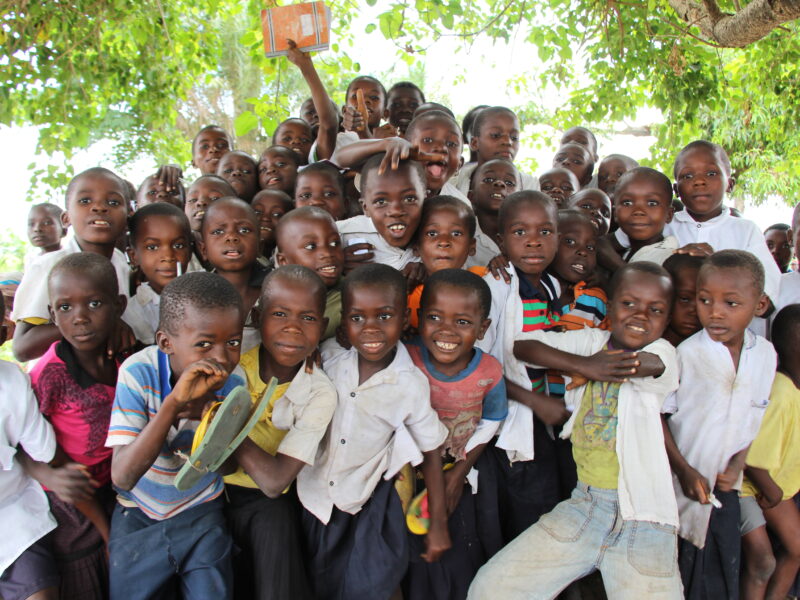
x: 33, y: 571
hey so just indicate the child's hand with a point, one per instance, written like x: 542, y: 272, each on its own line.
x: 422, y: 156
x: 650, y: 365
x: 297, y: 56
x: 354, y: 255
x: 352, y: 120
x: 694, y: 485
x: 768, y: 500
x: 576, y: 380
x: 415, y: 274
x: 71, y: 483
x: 169, y: 176
x: 387, y: 130
x: 614, y: 366
x: 197, y: 380
x: 497, y: 267
x: 437, y: 541
x: 727, y: 479
x: 551, y: 411
x: 453, y: 488
x: 702, y: 250
x: 122, y: 339
x: 396, y: 149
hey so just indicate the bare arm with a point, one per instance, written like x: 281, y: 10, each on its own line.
x: 32, y: 341
x: 352, y: 155
x: 551, y: 411
x: 606, y: 365
x: 771, y: 492
x: 438, y: 538
x: 272, y: 474
x: 694, y: 485
x: 454, y: 478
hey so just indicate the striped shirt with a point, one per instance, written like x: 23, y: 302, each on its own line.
x: 142, y: 386
x: 537, y: 313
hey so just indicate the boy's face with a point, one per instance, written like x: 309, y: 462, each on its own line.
x: 297, y: 137
x: 152, y: 190
x: 444, y: 241
x: 560, y: 184
x: 595, y: 205
x: 161, y: 245
x: 230, y: 238
x: 199, y: 197
x: 639, y: 310
x: 394, y: 203
x: 780, y: 247
x: 642, y: 209
x: 83, y: 311
x: 530, y: 237
x: 269, y: 208
x: 579, y: 135
x: 291, y: 322
x: 491, y: 183
x: 608, y: 173
x: 44, y: 230
x: 373, y: 319
x: 449, y: 325
x: 309, y: 113
x: 208, y: 148
x: 277, y: 170
x: 498, y: 138
x: 210, y: 333
x: 240, y: 171
x: 727, y: 300
x: 575, y: 158
x: 576, y: 258
x: 373, y: 99
x: 97, y: 209
x: 702, y: 182
x: 441, y: 136
x: 401, y: 105
x: 683, y: 319
x: 314, y: 243
x: 320, y: 189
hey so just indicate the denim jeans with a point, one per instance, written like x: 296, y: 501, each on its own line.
x: 638, y: 559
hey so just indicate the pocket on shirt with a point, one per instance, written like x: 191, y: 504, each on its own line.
x: 653, y: 549
x: 569, y: 519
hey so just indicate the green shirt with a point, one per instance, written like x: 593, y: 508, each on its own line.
x: 594, y: 436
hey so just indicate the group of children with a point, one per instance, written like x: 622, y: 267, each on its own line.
x: 488, y: 384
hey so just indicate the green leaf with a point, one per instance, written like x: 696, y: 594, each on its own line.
x: 245, y: 122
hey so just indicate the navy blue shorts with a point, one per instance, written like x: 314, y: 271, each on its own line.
x: 33, y: 571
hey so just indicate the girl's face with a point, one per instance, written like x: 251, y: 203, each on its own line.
x: 498, y: 137
x: 322, y: 190
x: 295, y: 135
x: 278, y: 170
x: 577, y: 159
x: 443, y: 241
x: 162, y: 250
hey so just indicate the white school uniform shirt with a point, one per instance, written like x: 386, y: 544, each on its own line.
x: 461, y: 180
x: 343, y: 138
x: 377, y: 427
x: 516, y: 432
x: 141, y: 313
x: 32, y: 299
x: 716, y: 412
x: 789, y: 290
x: 658, y: 252
x: 361, y: 228
x: 24, y: 509
x: 485, y: 249
x: 644, y: 486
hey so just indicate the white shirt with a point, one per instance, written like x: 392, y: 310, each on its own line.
x: 485, y: 249
x: 141, y: 313
x: 789, y: 290
x: 378, y: 426
x: 32, y: 299
x: 461, y: 180
x: 343, y: 138
x: 716, y: 412
x: 658, y: 252
x: 24, y: 509
x: 644, y: 486
x: 361, y: 227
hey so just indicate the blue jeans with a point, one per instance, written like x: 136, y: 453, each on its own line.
x: 638, y: 559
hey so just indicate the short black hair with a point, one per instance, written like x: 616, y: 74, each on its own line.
x: 430, y: 114
x: 297, y: 120
x: 644, y: 267
x: 482, y: 116
x: 678, y: 262
x: 299, y: 214
x: 200, y: 290
x: 298, y: 274
x: 718, y: 150
x: 570, y: 215
x: 463, y: 209
x: 231, y: 201
x: 99, y: 268
x: 243, y: 154
x: 469, y: 119
x: 463, y: 280
x: 284, y: 150
x: 514, y: 201
x: 786, y: 333
x: 631, y: 163
x: 93, y: 171
x: 208, y: 128
x: 777, y: 227
x: 367, y: 78
x: 577, y: 196
x: 216, y: 179
x: 657, y: 177
x: 326, y: 168
x: 370, y: 167
x: 406, y: 85
x: 585, y: 130
x: 54, y: 210
x: 737, y: 259
x: 288, y: 203
x: 376, y: 275
x: 157, y: 209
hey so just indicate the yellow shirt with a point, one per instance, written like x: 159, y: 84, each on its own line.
x: 594, y: 436
x: 777, y: 445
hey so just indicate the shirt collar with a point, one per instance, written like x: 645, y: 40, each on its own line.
x: 438, y: 375
x: 530, y: 292
x: 66, y: 353
x: 683, y: 216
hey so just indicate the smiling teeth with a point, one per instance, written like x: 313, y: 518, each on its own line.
x: 578, y: 268
x: 635, y: 328
x: 397, y: 227
x: 373, y: 345
x: 329, y: 269
x: 497, y: 196
x: 100, y: 222
x: 446, y: 345
x: 199, y: 214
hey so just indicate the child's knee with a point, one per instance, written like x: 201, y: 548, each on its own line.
x: 761, y: 566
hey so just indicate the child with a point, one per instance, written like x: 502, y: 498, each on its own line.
x: 466, y: 128
x: 683, y: 321
x: 354, y: 524
x: 200, y: 195
x: 97, y: 211
x: 779, y: 245
x: 790, y: 282
x: 295, y: 134
x: 27, y: 568
x: 469, y: 395
x: 491, y: 183
x: 596, y: 205
x: 321, y: 184
x: 158, y: 532
x: 375, y: 102
x: 45, y: 230
x: 74, y: 383
x: 560, y: 184
x: 160, y: 248
x: 229, y: 243
x: 402, y: 99
x: 308, y: 236
x: 577, y: 158
x: 771, y: 470
x: 582, y: 136
x: 241, y: 172
x: 264, y: 520
x: 495, y: 134
x: 726, y: 375
x: 208, y: 146
x: 270, y: 206
x: 610, y: 169
x: 152, y: 189
x: 622, y: 516
x: 277, y: 169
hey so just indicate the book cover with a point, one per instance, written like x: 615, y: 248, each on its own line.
x: 308, y: 24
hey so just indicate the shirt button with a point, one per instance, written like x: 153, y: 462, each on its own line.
x: 699, y: 226
x: 352, y: 394
x: 330, y: 483
x: 342, y: 440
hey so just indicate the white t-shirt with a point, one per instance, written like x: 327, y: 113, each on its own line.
x: 362, y: 228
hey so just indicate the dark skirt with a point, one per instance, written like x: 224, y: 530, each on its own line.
x: 360, y: 556
x: 270, y: 564
x: 713, y: 572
